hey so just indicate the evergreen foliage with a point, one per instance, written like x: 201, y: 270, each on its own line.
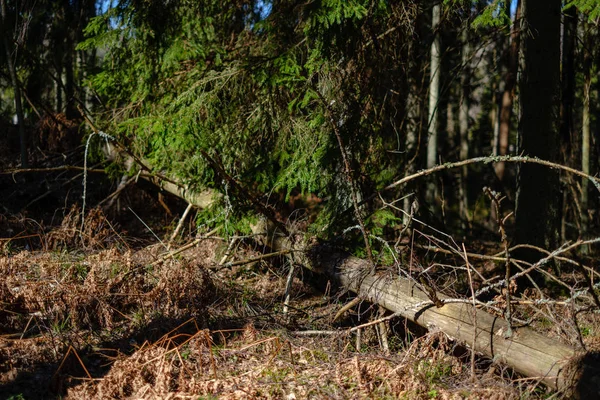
x: 261, y: 87
x: 494, y: 14
x: 259, y: 93
x: 589, y: 7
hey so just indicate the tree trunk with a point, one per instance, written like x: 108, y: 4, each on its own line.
x: 413, y: 119
x: 568, y: 83
x: 453, y: 141
x: 538, y: 188
x: 463, y: 121
x: 585, y: 131
x: 508, y: 95
x: 557, y: 365
x: 434, y: 89
x: 568, y: 135
x: 15, y: 84
x: 412, y: 133
x: 71, y: 106
x: 202, y: 199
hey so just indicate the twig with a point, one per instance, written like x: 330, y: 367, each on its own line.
x: 559, y: 258
x: 149, y: 229
x: 52, y: 169
x: 483, y: 160
x: 346, y: 307
x: 437, y: 249
x: 414, y: 207
x: 228, y: 251
x: 85, y: 157
x: 316, y: 333
x: 69, y: 351
x: 383, y: 332
x: 494, y: 160
x: 288, y: 285
x: 170, y: 254
x: 110, y: 198
x: 26, y: 327
x: 576, y: 324
x: 350, y: 330
x: 474, y: 314
x: 497, y: 203
x: 63, y: 184
x: 291, y: 354
x: 561, y: 250
x: 179, y: 225
x: 497, y: 257
x: 253, y: 259
x: 375, y: 322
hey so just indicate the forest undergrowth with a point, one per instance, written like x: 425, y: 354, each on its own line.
x: 154, y: 305
x: 94, y: 314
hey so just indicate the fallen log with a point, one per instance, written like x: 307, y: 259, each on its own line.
x: 200, y: 199
x: 203, y: 199
x: 573, y: 373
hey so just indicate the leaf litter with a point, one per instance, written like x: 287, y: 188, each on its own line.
x: 115, y: 323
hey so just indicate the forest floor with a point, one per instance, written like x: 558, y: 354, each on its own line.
x: 100, y: 310
x: 94, y: 316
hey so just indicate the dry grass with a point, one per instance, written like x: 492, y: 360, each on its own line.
x: 255, y: 365
x: 117, y: 324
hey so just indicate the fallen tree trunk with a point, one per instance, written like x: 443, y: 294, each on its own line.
x: 203, y: 199
x: 559, y: 366
x: 199, y: 199
x: 575, y: 374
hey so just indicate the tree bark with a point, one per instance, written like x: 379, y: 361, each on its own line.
x: 538, y: 189
x: 463, y: 120
x: 508, y: 95
x: 567, y: 132
x: 557, y: 365
x: 585, y: 131
x: 15, y: 84
x: 434, y: 90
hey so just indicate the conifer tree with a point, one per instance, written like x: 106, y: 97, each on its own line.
x: 261, y: 93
